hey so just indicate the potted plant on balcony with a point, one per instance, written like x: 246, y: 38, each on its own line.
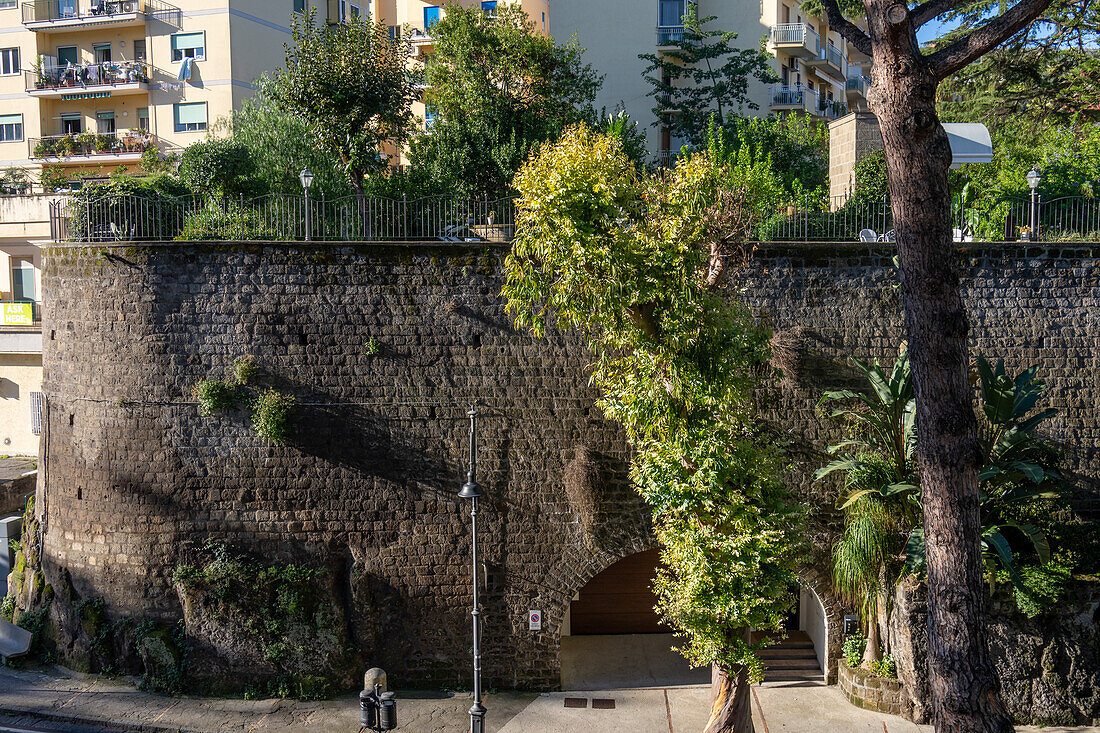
x: 68, y: 145
x: 86, y: 142
x: 103, y: 143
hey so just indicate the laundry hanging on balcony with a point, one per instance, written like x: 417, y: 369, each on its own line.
x: 185, y: 69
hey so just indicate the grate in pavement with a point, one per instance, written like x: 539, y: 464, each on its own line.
x: 603, y: 704
x: 576, y: 702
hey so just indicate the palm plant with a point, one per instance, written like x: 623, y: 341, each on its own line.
x: 877, y: 463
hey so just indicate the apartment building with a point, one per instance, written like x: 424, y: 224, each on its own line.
x: 820, y: 74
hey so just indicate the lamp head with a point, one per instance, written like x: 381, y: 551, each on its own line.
x: 1033, y: 178
x: 470, y: 490
x: 306, y: 177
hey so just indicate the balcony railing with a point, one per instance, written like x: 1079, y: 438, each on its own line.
x: 91, y: 144
x: 68, y: 13
x: 795, y: 34
x: 831, y: 55
x: 669, y: 34
x: 857, y: 82
x: 796, y: 97
x: 90, y: 77
x: 832, y: 108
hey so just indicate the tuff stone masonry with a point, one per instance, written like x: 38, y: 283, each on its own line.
x: 385, y: 347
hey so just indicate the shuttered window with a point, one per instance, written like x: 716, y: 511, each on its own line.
x: 38, y: 404
x: 190, y: 116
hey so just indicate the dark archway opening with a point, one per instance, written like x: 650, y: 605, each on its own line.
x: 619, y: 600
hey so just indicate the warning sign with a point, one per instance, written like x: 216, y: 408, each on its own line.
x: 534, y: 620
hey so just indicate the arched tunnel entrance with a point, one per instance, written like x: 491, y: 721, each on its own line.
x: 614, y: 639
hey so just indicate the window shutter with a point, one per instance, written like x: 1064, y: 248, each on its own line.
x: 333, y: 12
x: 37, y: 408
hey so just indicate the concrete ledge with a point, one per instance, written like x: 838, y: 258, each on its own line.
x: 864, y: 690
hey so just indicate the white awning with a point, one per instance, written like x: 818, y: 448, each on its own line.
x: 970, y: 143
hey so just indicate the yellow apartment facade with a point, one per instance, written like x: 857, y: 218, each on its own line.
x: 819, y: 73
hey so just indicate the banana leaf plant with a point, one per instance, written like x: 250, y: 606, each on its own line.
x: 1018, y: 469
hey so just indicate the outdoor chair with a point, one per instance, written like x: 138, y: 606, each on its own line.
x: 868, y: 235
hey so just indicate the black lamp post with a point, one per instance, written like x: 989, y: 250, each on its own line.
x: 306, y: 177
x: 1033, y: 178
x: 470, y: 490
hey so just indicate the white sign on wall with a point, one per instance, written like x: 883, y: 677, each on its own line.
x: 534, y: 620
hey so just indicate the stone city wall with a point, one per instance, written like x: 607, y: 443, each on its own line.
x: 385, y: 346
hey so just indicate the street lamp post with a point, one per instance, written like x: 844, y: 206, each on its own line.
x: 306, y: 177
x: 470, y: 490
x: 1033, y: 178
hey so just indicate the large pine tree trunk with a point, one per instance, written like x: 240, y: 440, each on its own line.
x: 965, y: 689
x: 731, y: 702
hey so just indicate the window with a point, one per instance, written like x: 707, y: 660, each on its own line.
x: 67, y: 55
x: 188, y: 45
x: 11, y: 128
x: 143, y: 119
x: 139, y: 49
x: 22, y: 279
x: 71, y: 124
x: 105, y: 123
x: 102, y: 53
x: 190, y: 116
x: 670, y: 13
x: 7, y: 4
x: 431, y: 16
x: 395, y: 32
x: 37, y: 410
x: 489, y: 7
x: 352, y: 11
x: 9, y: 61
x: 429, y: 117
x: 299, y: 6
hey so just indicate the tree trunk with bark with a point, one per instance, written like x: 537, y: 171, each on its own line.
x: 965, y: 689
x: 731, y: 702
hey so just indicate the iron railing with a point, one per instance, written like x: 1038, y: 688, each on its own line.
x: 788, y: 34
x: 857, y: 82
x: 796, y: 96
x: 830, y: 54
x: 669, y: 34
x: 832, y: 108
x: 89, y: 76
x: 45, y: 11
x: 282, y: 217
x: 90, y: 144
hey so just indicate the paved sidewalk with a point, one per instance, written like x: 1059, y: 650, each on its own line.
x: 73, y: 702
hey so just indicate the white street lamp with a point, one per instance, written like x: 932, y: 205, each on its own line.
x: 306, y: 177
x: 1033, y: 178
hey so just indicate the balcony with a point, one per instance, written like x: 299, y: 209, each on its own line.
x: 796, y: 98
x: 796, y: 39
x: 831, y: 108
x: 57, y: 16
x: 20, y: 326
x: 422, y: 43
x: 669, y: 34
x: 90, y: 82
x: 829, y: 60
x: 89, y: 147
x: 857, y: 84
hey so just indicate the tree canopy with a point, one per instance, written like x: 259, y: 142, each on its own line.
x: 639, y: 264
x: 350, y: 85
x: 702, y: 75
x: 496, y: 89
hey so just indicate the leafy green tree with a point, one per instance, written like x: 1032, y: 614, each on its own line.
x: 281, y: 144
x: 798, y: 147
x: 220, y: 166
x: 638, y: 264
x: 704, y: 74
x: 497, y: 89
x: 1047, y: 73
x: 350, y: 85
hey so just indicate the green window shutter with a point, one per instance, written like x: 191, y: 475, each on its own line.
x: 11, y: 119
x: 187, y: 40
x: 188, y: 113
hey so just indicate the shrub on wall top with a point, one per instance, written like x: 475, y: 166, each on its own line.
x: 219, y: 166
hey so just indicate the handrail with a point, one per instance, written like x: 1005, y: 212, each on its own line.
x: 108, y: 74
x: 668, y: 34
x: 794, y: 33
x: 49, y: 11
x: 90, y: 143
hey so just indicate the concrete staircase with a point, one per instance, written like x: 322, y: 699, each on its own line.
x: 793, y: 660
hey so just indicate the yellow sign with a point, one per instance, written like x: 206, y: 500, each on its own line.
x: 18, y: 314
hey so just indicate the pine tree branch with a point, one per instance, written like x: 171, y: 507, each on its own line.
x: 852, y: 32
x: 985, y: 38
x: 929, y: 10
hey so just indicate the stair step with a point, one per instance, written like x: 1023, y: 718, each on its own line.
x: 792, y: 676
x: 792, y: 664
x: 783, y: 652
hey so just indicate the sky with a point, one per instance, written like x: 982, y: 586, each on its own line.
x: 933, y: 29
